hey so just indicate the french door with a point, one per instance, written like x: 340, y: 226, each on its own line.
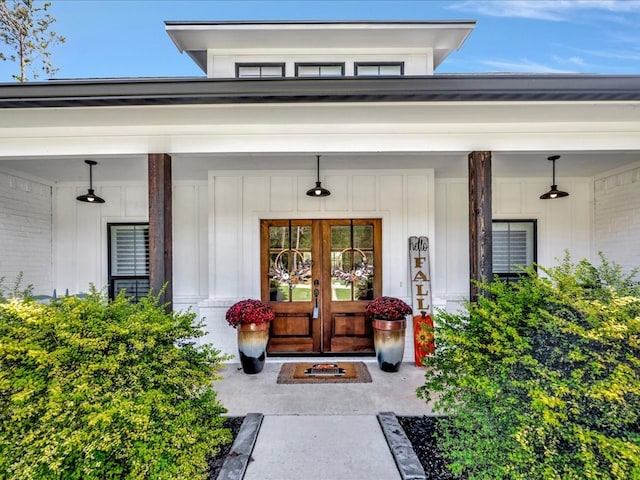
x: 319, y: 275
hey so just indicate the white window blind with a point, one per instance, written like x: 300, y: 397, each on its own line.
x: 513, y: 246
x: 130, y: 250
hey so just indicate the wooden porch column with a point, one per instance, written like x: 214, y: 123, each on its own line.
x: 480, y: 231
x: 160, y: 222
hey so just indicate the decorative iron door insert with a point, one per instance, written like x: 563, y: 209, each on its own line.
x: 318, y: 276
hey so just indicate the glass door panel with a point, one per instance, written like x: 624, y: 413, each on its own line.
x: 290, y: 260
x: 352, y: 269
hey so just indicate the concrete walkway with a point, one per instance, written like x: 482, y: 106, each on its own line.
x: 323, y: 431
x: 321, y: 447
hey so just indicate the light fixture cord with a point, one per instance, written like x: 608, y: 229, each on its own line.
x: 318, y: 168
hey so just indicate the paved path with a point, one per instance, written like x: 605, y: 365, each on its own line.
x: 321, y: 447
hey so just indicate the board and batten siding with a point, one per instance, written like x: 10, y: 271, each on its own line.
x: 81, y: 235
x: 216, y: 229
x: 26, y: 233
x: 563, y: 224
x: 404, y: 200
x: 617, y: 216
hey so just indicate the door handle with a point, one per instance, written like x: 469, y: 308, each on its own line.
x: 316, y: 310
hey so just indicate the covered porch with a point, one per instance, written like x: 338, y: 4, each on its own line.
x: 401, y: 159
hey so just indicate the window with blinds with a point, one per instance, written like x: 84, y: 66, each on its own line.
x: 514, y: 247
x: 129, y: 260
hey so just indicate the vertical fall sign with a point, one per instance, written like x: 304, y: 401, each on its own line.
x: 419, y: 268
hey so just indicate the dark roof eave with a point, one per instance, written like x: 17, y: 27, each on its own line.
x: 202, y: 91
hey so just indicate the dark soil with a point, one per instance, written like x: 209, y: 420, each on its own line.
x: 421, y: 433
x: 215, y: 462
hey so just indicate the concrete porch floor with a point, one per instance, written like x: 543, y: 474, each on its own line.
x: 388, y: 392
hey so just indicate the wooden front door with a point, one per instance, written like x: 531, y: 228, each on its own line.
x: 319, y: 275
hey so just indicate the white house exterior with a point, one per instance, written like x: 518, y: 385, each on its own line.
x: 393, y: 148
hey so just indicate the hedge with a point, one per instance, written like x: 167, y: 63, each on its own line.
x: 98, y: 389
x: 541, y: 378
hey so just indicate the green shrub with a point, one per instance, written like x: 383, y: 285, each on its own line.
x: 16, y: 291
x: 541, y: 378
x: 92, y: 389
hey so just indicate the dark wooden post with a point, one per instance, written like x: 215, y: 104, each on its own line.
x: 480, y: 231
x: 160, y: 225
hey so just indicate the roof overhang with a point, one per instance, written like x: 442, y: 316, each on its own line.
x: 441, y: 37
x: 437, y: 88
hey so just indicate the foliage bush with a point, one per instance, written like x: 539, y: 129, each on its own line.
x: 97, y: 389
x: 541, y: 378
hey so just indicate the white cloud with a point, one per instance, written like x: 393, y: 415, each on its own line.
x: 553, y: 10
x: 574, y: 60
x: 523, y: 66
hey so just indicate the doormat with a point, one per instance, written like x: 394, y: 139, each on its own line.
x: 338, y: 372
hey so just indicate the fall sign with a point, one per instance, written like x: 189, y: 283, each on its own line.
x: 419, y: 270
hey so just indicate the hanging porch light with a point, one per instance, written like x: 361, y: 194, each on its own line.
x: 318, y: 190
x: 90, y: 196
x: 554, y: 192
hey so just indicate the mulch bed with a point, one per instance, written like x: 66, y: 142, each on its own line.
x: 215, y: 462
x: 421, y: 433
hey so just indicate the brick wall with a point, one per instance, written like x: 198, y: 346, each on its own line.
x: 25, y: 232
x: 617, y: 217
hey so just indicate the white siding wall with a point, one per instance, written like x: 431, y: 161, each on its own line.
x: 617, y: 217
x: 238, y: 200
x: 563, y: 224
x: 80, y: 249
x: 81, y: 236
x: 216, y: 229
x: 25, y: 233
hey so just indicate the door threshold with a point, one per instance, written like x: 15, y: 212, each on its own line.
x: 321, y: 358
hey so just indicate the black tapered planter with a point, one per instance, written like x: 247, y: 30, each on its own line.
x: 252, y: 346
x: 388, y: 340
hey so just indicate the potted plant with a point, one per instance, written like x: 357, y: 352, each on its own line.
x: 251, y: 318
x: 389, y: 323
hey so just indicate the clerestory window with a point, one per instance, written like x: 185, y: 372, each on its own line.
x: 379, y: 69
x: 320, y: 70
x: 259, y: 70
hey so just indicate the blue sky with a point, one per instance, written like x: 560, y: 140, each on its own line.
x: 126, y: 38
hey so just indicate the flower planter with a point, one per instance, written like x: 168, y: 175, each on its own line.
x: 388, y: 340
x: 252, y: 346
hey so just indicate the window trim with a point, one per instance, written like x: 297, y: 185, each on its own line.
x: 378, y: 64
x: 282, y: 65
x: 509, y: 276
x: 320, y: 65
x: 110, y: 277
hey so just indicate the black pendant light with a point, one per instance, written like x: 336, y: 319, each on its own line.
x: 318, y: 190
x: 554, y: 192
x: 90, y: 196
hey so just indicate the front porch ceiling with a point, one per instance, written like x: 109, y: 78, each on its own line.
x: 124, y: 167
